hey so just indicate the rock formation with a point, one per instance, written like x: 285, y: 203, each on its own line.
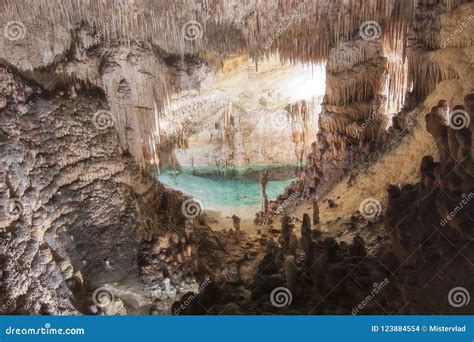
x: 75, y: 204
x: 430, y: 223
x: 96, y: 96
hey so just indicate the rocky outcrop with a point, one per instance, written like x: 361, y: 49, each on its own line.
x: 431, y: 223
x: 357, y: 108
x: 76, y: 208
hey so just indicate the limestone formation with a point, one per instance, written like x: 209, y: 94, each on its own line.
x: 99, y: 97
x: 306, y: 237
x: 263, y: 191
x: 286, y: 230
x: 236, y: 222
x: 315, y: 212
x: 293, y: 244
x: 99, y: 239
x: 291, y: 274
x: 443, y: 209
x: 435, y: 124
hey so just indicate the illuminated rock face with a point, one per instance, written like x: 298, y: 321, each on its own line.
x: 242, y: 116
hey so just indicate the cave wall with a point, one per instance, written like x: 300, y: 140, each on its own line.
x: 375, y: 78
x: 76, y: 208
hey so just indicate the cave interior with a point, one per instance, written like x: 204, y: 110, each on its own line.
x: 212, y: 157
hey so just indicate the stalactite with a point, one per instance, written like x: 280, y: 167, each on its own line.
x: 425, y: 73
x: 299, y: 115
x: 298, y: 30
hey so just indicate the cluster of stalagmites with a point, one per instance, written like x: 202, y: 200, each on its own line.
x: 431, y: 223
x: 223, y: 256
x: 169, y: 264
x: 322, y: 274
x: 190, y: 271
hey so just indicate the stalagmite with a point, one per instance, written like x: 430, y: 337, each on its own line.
x: 263, y: 191
x: 315, y: 212
x: 291, y: 274
x: 286, y: 230
x: 306, y: 235
x: 435, y: 124
x: 426, y: 170
x: 236, y: 222
x: 293, y: 244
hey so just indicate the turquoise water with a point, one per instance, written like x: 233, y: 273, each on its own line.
x: 221, y: 192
